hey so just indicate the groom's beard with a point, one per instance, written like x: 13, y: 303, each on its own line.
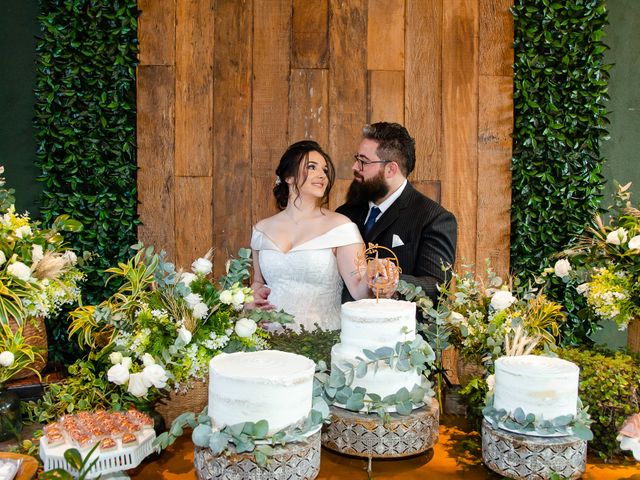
x: 363, y: 191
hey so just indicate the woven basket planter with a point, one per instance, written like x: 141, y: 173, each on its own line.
x: 35, y: 334
x: 194, y: 399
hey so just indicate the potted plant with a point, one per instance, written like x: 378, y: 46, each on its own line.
x: 15, y: 355
x: 156, y: 334
x: 606, y: 263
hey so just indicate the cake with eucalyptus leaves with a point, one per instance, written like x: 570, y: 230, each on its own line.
x: 370, y: 325
x: 266, y: 385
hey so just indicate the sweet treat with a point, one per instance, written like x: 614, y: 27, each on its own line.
x: 54, y: 438
x: 129, y: 440
x: 544, y: 386
x: 108, y: 444
x: 266, y: 385
x: 371, y: 324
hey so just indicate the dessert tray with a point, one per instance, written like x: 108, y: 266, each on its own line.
x: 121, y: 458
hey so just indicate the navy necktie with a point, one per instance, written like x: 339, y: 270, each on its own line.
x: 373, y: 214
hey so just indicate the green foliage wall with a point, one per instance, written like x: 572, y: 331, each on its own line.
x: 85, y: 121
x: 560, y: 85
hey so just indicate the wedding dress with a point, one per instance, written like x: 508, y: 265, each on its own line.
x: 305, y: 281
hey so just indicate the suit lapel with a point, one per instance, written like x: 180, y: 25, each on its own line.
x: 391, y: 215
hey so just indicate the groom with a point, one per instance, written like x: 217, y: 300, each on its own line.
x: 391, y: 213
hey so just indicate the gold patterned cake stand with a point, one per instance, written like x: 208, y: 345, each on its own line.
x: 365, y: 435
x: 293, y: 461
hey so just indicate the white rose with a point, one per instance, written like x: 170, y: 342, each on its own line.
x: 147, y: 359
x: 456, y: 317
x: 126, y: 362
x: 193, y: 299
x: 245, y: 327
x: 634, y: 244
x: 20, y: 271
x: 200, y: 310
x: 3, y: 258
x: 226, y: 297
x: 491, y: 382
x: 502, y: 299
x: 23, y: 231
x: 583, y: 289
x: 36, y: 254
x: 6, y: 358
x: 115, y: 357
x: 562, y: 268
x: 617, y: 237
x: 184, y: 335
x: 138, y: 385
x: 70, y: 257
x: 186, y: 278
x: 118, y: 374
x: 238, y: 298
x: 202, y: 266
x: 155, y: 375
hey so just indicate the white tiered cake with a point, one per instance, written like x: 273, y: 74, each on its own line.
x: 371, y: 324
x: 266, y: 385
x: 544, y: 386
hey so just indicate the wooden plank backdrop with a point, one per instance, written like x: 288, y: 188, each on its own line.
x: 225, y: 85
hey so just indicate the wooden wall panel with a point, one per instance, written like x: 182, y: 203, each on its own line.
x: 238, y: 80
x: 386, y: 96
x: 308, y: 97
x: 347, y: 80
x: 156, y: 32
x: 193, y: 213
x: 269, y: 114
x: 310, y: 34
x: 385, y: 35
x: 232, y: 198
x: 194, y: 87
x: 423, y: 85
x: 155, y: 178
x: 460, y: 120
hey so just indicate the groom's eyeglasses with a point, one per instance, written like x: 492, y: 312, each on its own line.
x: 364, y: 161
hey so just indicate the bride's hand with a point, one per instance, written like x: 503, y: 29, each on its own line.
x: 383, y: 278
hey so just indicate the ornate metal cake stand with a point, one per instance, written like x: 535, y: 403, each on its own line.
x: 532, y: 458
x: 365, y: 435
x: 294, y: 461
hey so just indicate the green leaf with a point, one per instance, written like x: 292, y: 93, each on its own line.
x: 261, y: 429
x: 355, y: 402
x: 73, y: 458
x: 200, y: 435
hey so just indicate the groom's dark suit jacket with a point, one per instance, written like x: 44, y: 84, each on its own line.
x: 428, y: 231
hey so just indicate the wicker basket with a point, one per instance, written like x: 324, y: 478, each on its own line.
x: 194, y: 399
x: 633, y: 335
x: 35, y: 334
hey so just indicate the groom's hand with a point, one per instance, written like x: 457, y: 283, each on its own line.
x: 260, y: 294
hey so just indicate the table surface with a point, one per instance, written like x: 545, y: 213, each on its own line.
x: 456, y: 455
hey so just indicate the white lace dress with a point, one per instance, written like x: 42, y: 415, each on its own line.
x: 305, y: 281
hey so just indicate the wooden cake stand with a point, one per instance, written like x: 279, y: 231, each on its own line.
x: 526, y: 457
x: 365, y: 435
x: 294, y: 461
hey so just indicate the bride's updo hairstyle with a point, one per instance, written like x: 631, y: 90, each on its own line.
x: 296, y: 157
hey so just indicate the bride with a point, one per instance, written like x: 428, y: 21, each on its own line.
x: 305, y: 252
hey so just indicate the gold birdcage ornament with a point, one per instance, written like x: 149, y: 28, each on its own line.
x: 382, y: 274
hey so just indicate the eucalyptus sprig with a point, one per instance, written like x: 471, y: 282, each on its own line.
x: 245, y: 436
x: 528, y: 423
x: 336, y: 386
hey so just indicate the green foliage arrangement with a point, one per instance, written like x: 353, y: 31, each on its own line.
x: 560, y: 81
x: 610, y: 387
x: 85, y: 131
x: 315, y: 345
x: 80, y: 467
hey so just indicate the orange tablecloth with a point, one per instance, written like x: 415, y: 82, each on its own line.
x: 449, y: 459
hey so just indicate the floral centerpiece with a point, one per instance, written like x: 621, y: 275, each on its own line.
x: 606, y: 262
x: 160, y: 329
x: 486, y: 321
x: 37, y: 273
